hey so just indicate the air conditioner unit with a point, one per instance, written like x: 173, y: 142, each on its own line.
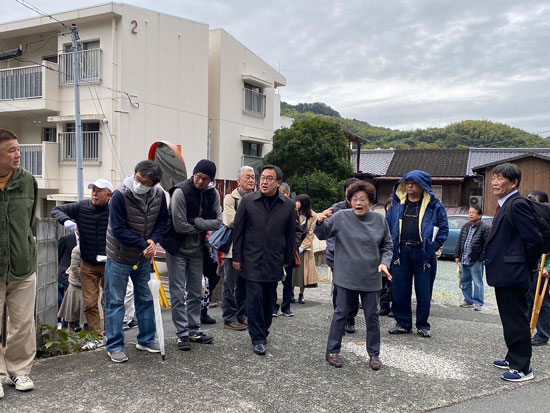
x: 476, y: 200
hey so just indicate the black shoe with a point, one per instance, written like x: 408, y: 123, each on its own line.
x: 538, y: 342
x: 350, y: 328
x: 384, y: 311
x: 201, y: 338
x: 399, y: 330
x: 301, y: 299
x: 184, y: 344
x: 206, y: 319
x: 131, y: 324
x: 292, y: 299
x: 422, y: 332
x: 259, y: 349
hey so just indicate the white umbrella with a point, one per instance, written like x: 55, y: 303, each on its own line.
x: 154, y: 286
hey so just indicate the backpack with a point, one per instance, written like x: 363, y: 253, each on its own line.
x: 222, y: 238
x: 541, y: 214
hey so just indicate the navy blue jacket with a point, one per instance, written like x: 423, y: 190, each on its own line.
x: 513, y: 249
x: 432, y: 214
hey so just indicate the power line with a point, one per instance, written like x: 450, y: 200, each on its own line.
x: 37, y: 10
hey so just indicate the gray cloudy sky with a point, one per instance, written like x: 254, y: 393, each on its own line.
x: 396, y: 63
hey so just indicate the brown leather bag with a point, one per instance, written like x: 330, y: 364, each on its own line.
x: 297, y: 260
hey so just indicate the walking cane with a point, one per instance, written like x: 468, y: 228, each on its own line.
x: 4, y: 328
x: 539, y: 296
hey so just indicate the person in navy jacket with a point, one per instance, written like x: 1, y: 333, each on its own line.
x: 419, y: 227
x: 513, y: 248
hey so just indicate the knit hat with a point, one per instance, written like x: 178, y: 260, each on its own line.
x: 206, y: 167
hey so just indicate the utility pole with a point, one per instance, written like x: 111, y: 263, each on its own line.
x: 78, y: 132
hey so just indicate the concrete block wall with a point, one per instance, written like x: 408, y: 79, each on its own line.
x: 46, y: 275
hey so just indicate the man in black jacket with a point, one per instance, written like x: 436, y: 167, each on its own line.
x: 263, y: 243
x: 91, y: 217
x: 470, y: 253
x: 511, y: 255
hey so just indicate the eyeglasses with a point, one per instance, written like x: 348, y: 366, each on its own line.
x: 204, y: 178
x: 267, y: 178
x: 362, y: 199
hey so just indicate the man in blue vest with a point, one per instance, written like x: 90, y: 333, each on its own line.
x: 194, y: 210
x: 137, y: 219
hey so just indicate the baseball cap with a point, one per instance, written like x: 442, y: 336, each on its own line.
x: 101, y: 183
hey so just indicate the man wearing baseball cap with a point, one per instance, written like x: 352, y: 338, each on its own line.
x: 91, y: 216
x: 194, y: 210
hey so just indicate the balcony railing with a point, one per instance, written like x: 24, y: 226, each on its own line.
x: 91, y: 147
x: 90, y: 67
x: 31, y: 158
x: 21, y: 83
x: 253, y: 102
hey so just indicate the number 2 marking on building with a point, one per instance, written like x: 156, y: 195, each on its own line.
x: 134, y: 27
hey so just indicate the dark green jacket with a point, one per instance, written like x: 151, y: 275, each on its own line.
x: 17, y: 216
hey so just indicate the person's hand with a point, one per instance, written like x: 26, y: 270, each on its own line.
x: 383, y: 268
x: 327, y: 213
x: 150, y: 251
x: 457, y: 260
x: 545, y: 274
x: 69, y: 225
x: 237, y: 265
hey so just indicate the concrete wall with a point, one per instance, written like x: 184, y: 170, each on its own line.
x: 46, y: 275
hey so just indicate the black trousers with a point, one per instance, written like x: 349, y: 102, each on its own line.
x: 345, y: 299
x: 287, y: 292
x: 354, y: 308
x: 259, y: 307
x: 512, y: 307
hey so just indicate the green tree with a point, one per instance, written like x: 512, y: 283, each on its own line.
x: 314, y: 157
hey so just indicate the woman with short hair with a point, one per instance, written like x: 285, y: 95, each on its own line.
x: 362, y: 255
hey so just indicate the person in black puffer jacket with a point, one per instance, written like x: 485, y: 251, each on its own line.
x: 91, y: 216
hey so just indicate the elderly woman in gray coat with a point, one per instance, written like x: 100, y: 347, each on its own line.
x: 362, y: 255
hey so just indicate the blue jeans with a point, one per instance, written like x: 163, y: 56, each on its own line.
x: 472, y: 278
x: 411, y: 266
x: 116, y: 279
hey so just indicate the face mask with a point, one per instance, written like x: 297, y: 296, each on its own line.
x: 139, y: 188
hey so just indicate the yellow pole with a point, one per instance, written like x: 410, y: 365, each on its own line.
x: 539, y: 296
x: 163, y: 300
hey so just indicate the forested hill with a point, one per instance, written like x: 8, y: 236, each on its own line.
x: 464, y: 134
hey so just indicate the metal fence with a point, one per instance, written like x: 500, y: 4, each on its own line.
x: 31, y: 158
x: 91, y: 147
x: 253, y: 102
x: 90, y: 67
x: 21, y: 83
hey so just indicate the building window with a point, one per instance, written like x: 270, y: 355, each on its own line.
x: 253, y: 100
x: 252, y: 149
x: 91, y: 143
x: 49, y: 135
x: 438, y: 191
x: 89, y: 55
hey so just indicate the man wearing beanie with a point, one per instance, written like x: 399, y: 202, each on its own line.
x: 194, y: 210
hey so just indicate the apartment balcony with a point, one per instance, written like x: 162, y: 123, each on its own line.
x: 41, y: 160
x: 91, y: 148
x: 253, y: 103
x: 29, y: 89
x: 90, y: 67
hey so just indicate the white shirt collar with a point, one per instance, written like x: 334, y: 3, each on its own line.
x: 501, y: 201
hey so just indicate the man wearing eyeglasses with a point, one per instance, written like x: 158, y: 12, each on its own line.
x: 263, y: 243
x: 419, y: 227
x: 194, y: 210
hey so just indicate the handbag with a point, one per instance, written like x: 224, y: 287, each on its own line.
x: 221, y: 239
x: 297, y: 260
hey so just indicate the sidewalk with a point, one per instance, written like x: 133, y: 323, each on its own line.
x: 452, y: 369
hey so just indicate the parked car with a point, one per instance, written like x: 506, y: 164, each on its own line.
x: 456, y: 222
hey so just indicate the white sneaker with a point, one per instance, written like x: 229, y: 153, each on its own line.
x: 1, y: 391
x: 21, y: 383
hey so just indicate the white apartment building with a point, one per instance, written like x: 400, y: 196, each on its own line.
x: 240, y: 133
x: 145, y: 77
